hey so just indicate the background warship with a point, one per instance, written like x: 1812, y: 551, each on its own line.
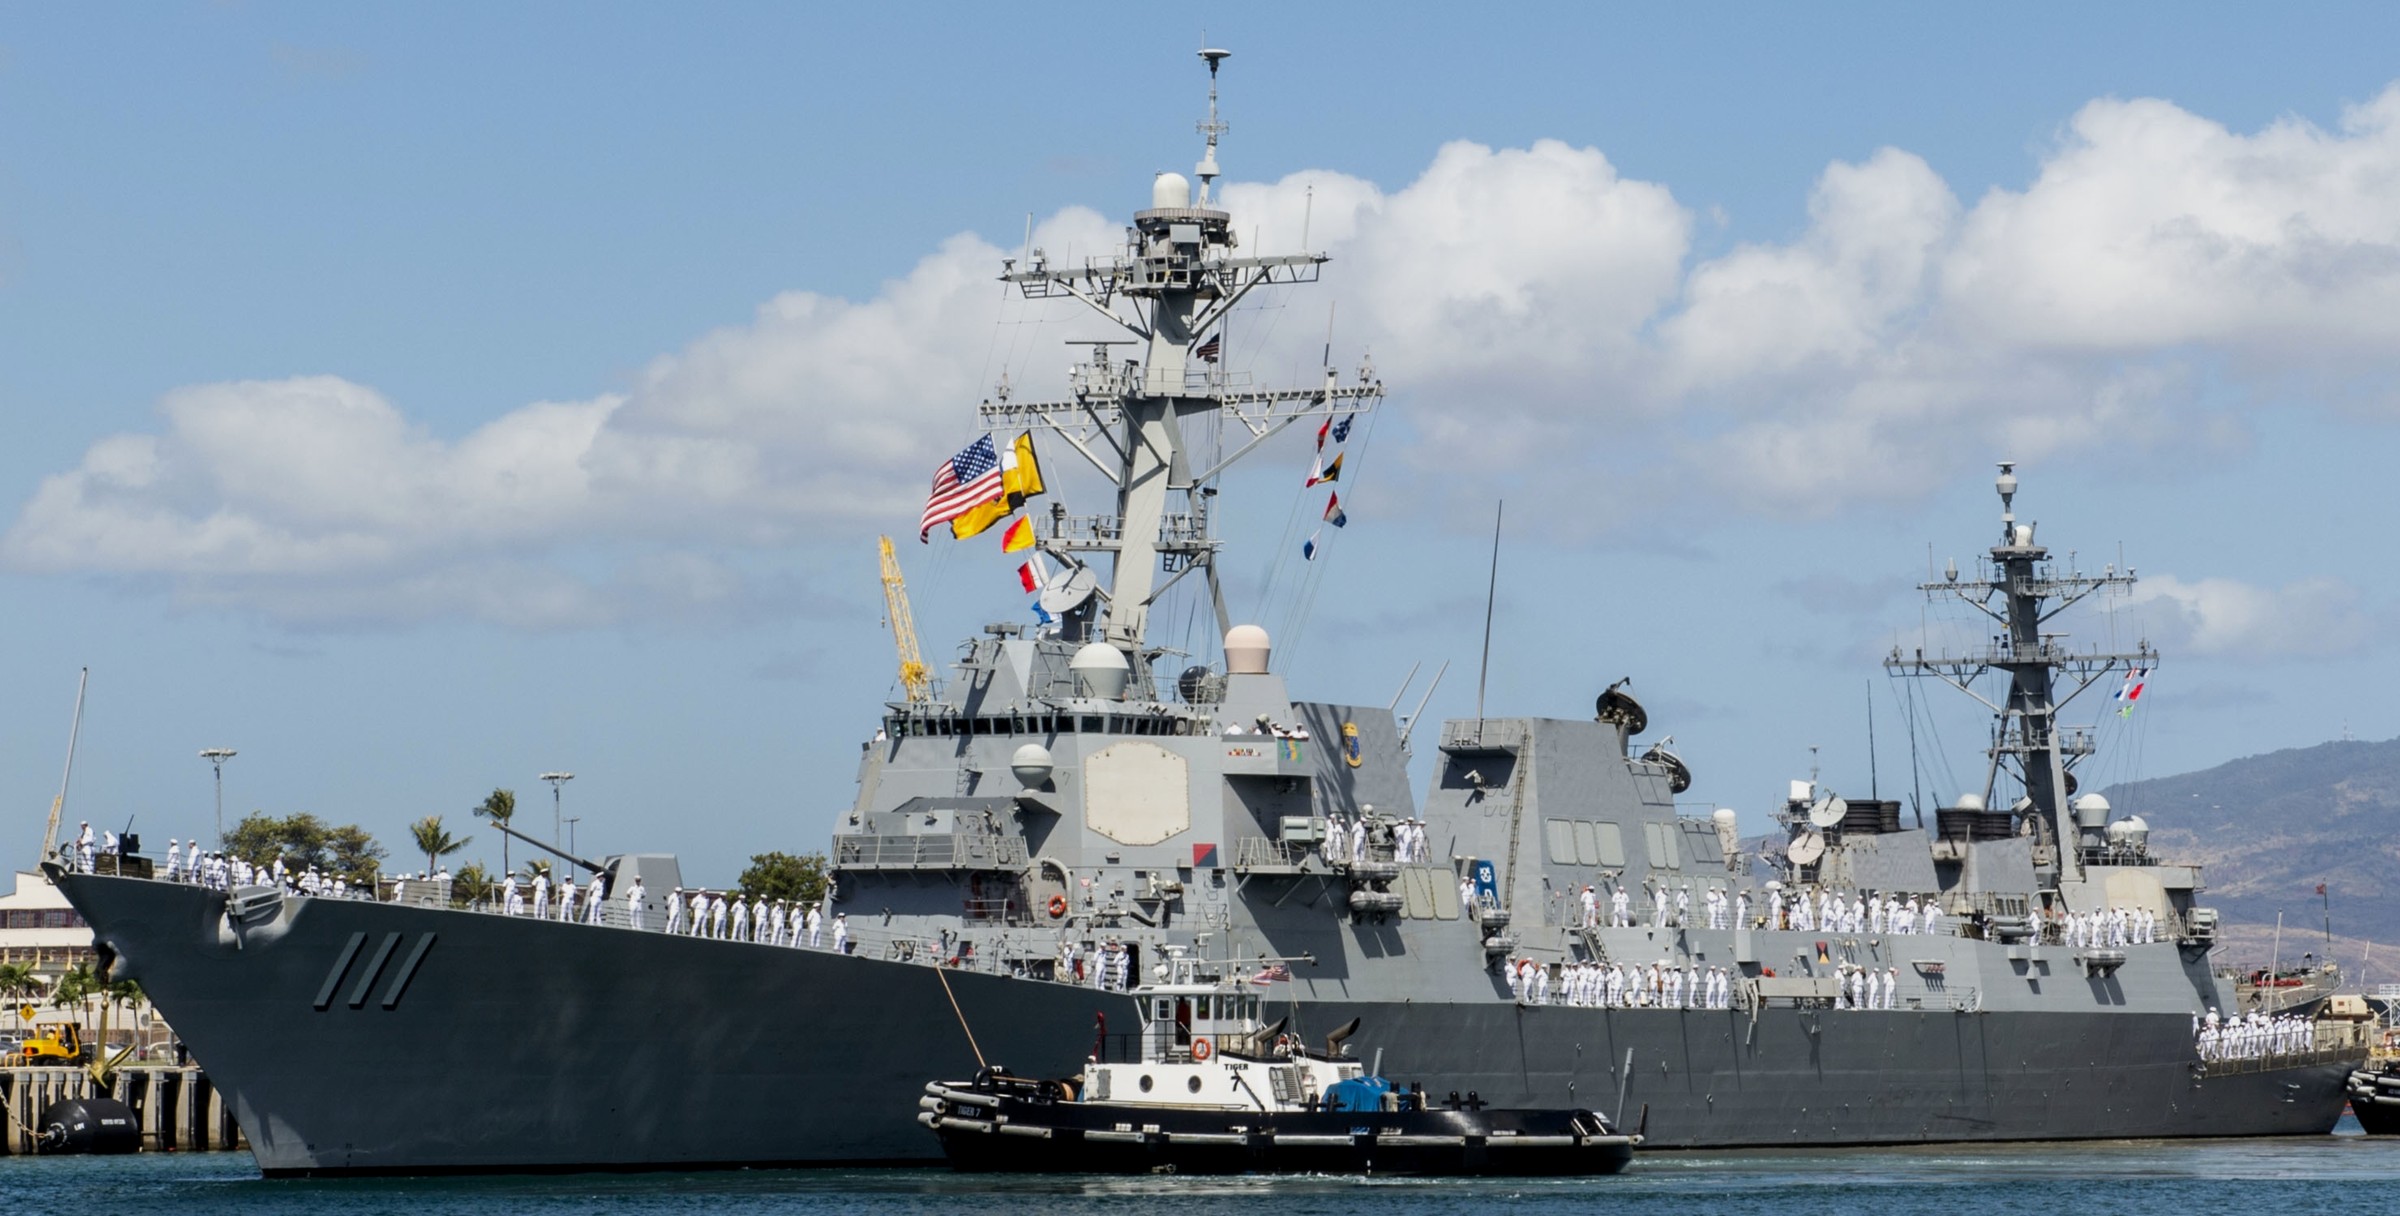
x: 1061, y: 799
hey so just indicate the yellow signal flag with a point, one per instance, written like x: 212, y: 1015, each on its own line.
x: 1022, y: 476
x: 1020, y: 479
x: 1019, y: 536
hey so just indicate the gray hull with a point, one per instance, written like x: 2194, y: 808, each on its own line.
x: 523, y: 1045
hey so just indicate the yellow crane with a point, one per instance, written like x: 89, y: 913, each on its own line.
x: 904, y: 627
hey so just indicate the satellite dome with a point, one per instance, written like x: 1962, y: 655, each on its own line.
x: 1031, y: 765
x: 1100, y: 671
x: 2091, y: 811
x: 1170, y: 190
x: 1246, y: 650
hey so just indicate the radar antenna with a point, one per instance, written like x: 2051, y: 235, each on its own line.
x: 2022, y: 593
x: 1134, y: 413
x: 1207, y: 170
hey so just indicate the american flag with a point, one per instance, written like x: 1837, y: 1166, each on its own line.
x: 960, y: 484
x: 1210, y: 349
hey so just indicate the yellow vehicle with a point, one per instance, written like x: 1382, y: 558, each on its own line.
x: 63, y: 1045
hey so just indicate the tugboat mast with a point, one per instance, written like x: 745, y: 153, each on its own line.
x: 2023, y: 595
x: 1176, y: 278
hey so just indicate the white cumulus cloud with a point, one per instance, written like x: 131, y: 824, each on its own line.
x: 1522, y: 302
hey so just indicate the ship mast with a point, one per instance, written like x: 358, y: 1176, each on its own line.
x: 1170, y: 286
x: 2022, y: 595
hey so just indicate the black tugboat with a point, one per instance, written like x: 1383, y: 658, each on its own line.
x: 1204, y: 1088
x: 2374, y: 1087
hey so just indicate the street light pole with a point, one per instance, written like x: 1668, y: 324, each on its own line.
x: 557, y: 782
x: 216, y: 757
x: 571, y: 832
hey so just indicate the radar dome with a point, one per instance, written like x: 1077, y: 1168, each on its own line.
x: 1970, y: 802
x: 1031, y: 765
x: 2091, y: 811
x: 1170, y: 190
x: 1246, y: 649
x: 1100, y: 671
x: 1729, y: 834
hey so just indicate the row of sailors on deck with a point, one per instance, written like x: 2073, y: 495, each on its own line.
x: 1108, y: 968
x: 2108, y: 927
x: 1829, y: 911
x: 1347, y: 839
x: 1592, y: 985
x: 222, y: 872
x: 1867, y: 988
x: 780, y: 923
x: 2252, y: 1036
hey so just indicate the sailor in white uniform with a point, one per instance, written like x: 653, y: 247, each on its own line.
x: 700, y: 913
x: 596, y: 900
x: 174, y: 858
x: 541, y: 897
x: 816, y: 926
x: 1620, y: 909
x: 566, y: 898
x: 741, y: 920
x: 775, y: 924
x: 716, y: 917
x: 841, y: 933
x: 675, y: 911
x: 633, y: 904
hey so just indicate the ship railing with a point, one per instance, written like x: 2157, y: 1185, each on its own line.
x: 1472, y: 734
x: 1263, y: 853
x: 2324, y: 1052
x: 950, y: 850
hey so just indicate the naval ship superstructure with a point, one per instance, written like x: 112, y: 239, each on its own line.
x: 1076, y: 807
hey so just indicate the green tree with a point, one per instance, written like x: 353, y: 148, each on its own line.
x: 500, y: 806
x: 75, y: 990
x: 435, y: 841
x: 303, y: 840
x: 783, y: 876
x: 353, y: 856
x: 537, y: 868
x: 18, y: 981
x: 471, y: 885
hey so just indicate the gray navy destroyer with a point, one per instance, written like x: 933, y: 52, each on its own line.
x: 1076, y: 804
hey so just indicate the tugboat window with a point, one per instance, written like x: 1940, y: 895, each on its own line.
x: 1193, y: 1083
x: 1145, y: 1082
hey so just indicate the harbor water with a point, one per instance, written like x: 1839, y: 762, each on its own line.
x: 2345, y: 1172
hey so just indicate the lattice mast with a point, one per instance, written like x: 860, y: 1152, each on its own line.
x: 2023, y: 593
x: 913, y: 674
x: 1170, y: 285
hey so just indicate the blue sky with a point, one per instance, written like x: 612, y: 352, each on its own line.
x: 420, y: 399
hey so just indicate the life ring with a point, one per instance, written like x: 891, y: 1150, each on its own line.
x: 1201, y: 1048
x: 1058, y: 906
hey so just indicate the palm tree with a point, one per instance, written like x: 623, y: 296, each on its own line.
x: 500, y: 806
x: 436, y: 841
x: 75, y: 990
x: 18, y: 980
